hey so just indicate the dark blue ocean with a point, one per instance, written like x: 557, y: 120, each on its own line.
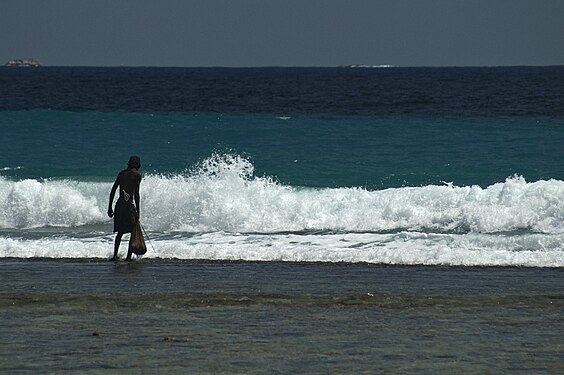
x: 449, y: 166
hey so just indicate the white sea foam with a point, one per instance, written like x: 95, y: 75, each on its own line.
x: 409, y: 248
x: 220, y: 210
x: 4, y: 169
x: 31, y: 203
x: 231, y: 201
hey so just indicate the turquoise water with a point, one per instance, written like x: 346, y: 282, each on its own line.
x: 319, y: 151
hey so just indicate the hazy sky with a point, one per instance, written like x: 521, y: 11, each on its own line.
x: 283, y: 32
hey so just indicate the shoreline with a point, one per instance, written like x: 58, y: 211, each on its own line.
x: 338, y: 279
x: 272, y: 262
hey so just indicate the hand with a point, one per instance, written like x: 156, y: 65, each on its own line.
x: 110, y: 212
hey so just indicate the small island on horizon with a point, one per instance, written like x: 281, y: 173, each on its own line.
x: 24, y: 63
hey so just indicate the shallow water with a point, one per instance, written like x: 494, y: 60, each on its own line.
x: 218, y: 317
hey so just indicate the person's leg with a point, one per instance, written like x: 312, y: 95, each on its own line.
x: 119, y: 235
x: 134, y: 219
x: 129, y: 254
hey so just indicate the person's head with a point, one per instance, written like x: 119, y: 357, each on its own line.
x: 134, y: 162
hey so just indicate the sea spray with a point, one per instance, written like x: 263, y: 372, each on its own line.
x: 223, y: 194
x: 229, y: 199
x: 220, y: 210
x: 31, y: 203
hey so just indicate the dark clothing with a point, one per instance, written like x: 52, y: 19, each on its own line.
x: 126, y: 212
x: 124, y: 216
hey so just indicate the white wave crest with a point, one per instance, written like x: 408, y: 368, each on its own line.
x: 220, y: 210
x: 222, y: 194
x: 31, y: 203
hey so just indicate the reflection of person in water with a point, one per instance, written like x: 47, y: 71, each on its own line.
x: 126, y: 213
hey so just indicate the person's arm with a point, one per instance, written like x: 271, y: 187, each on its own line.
x: 112, y: 196
x: 137, y: 198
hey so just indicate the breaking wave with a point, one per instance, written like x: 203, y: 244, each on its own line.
x: 221, y: 210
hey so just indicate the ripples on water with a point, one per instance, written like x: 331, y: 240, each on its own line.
x: 179, y: 317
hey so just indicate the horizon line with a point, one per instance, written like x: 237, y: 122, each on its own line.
x: 341, y: 66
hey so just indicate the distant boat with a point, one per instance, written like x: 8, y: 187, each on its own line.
x: 366, y: 66
x: 24, y: 63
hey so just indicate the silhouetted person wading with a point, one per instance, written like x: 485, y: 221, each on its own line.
x: 126, y: 212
